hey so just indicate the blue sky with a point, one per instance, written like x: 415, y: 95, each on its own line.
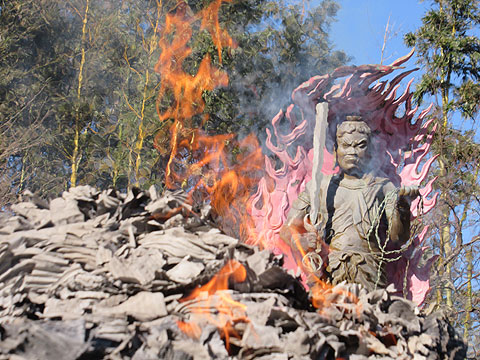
x: 361, y: 26
x: 360, y: 29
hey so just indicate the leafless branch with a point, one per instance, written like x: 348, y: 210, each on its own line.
x: 458, y: 249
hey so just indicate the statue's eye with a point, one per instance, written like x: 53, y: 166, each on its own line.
x: 362, y: 145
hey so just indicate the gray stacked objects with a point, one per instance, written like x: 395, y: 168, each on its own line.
x: 93, y: 275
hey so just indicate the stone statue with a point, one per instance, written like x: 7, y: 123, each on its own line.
x: 360, y: 214
x: 337, y: 200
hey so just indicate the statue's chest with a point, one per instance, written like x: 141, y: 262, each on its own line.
x: 345, y: 207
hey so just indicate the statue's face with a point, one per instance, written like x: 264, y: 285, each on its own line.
x: 352, y: 153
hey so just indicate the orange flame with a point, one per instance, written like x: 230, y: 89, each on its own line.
x: 323, y: 294
x: 233, y: 269
x: 228, y: 310
x: 220, y: 168
x: 223, y: 169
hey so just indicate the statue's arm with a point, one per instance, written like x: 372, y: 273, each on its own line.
x: 294, y: 225
x: 398, y: 212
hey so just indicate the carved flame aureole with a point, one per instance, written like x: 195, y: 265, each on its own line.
x: 206, y: 167
x: 402, y: 154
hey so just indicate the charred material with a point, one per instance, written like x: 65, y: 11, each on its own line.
x: 107, y: 275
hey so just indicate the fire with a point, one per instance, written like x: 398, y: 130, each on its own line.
x: 233, y: 269
x: 221, y: 168
x: 323, y: 294
x: 220, y: 310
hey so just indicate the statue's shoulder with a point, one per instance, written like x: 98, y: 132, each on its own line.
x: 325, y: 182
x: 382, y: 180
x: 305, y: 195
x: 385, y: 184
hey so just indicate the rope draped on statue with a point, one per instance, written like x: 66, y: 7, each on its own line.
x: 385, y: 255
x: 405, y: 160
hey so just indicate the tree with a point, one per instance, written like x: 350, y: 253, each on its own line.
x: 25, y: 80
x: 132, y: 157
x: 449, y: 54
x: 274, y: 48
x: 81, y: 72
x: 68, y: 50
x: 279, y: 46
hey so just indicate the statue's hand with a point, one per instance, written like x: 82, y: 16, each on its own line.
x: 405, y: 196
x: 409, y: 192
x: 308, y: 241
x: 314, y: 255
x: 399, y: 216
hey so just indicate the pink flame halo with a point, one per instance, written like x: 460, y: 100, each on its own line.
x: 404, y: 146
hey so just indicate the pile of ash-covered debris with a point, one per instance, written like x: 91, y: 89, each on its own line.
x: 102, y: 275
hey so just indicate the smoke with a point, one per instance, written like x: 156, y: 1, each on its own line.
x: 277, y: 52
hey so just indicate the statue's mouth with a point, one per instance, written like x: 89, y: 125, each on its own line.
x: 351, y: 158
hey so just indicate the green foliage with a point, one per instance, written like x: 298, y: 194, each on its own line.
x: 449, y: 52
x: 448, y: 49
x: 278, y: 47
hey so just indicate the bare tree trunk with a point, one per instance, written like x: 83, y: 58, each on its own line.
x: 75, y: 158
x: 468, y: 305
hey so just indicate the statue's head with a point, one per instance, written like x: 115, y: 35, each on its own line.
x: 353, y: 146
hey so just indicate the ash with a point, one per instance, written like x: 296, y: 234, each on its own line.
x: 94, y: 275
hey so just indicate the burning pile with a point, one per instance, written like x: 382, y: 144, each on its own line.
x: 102, y: 274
